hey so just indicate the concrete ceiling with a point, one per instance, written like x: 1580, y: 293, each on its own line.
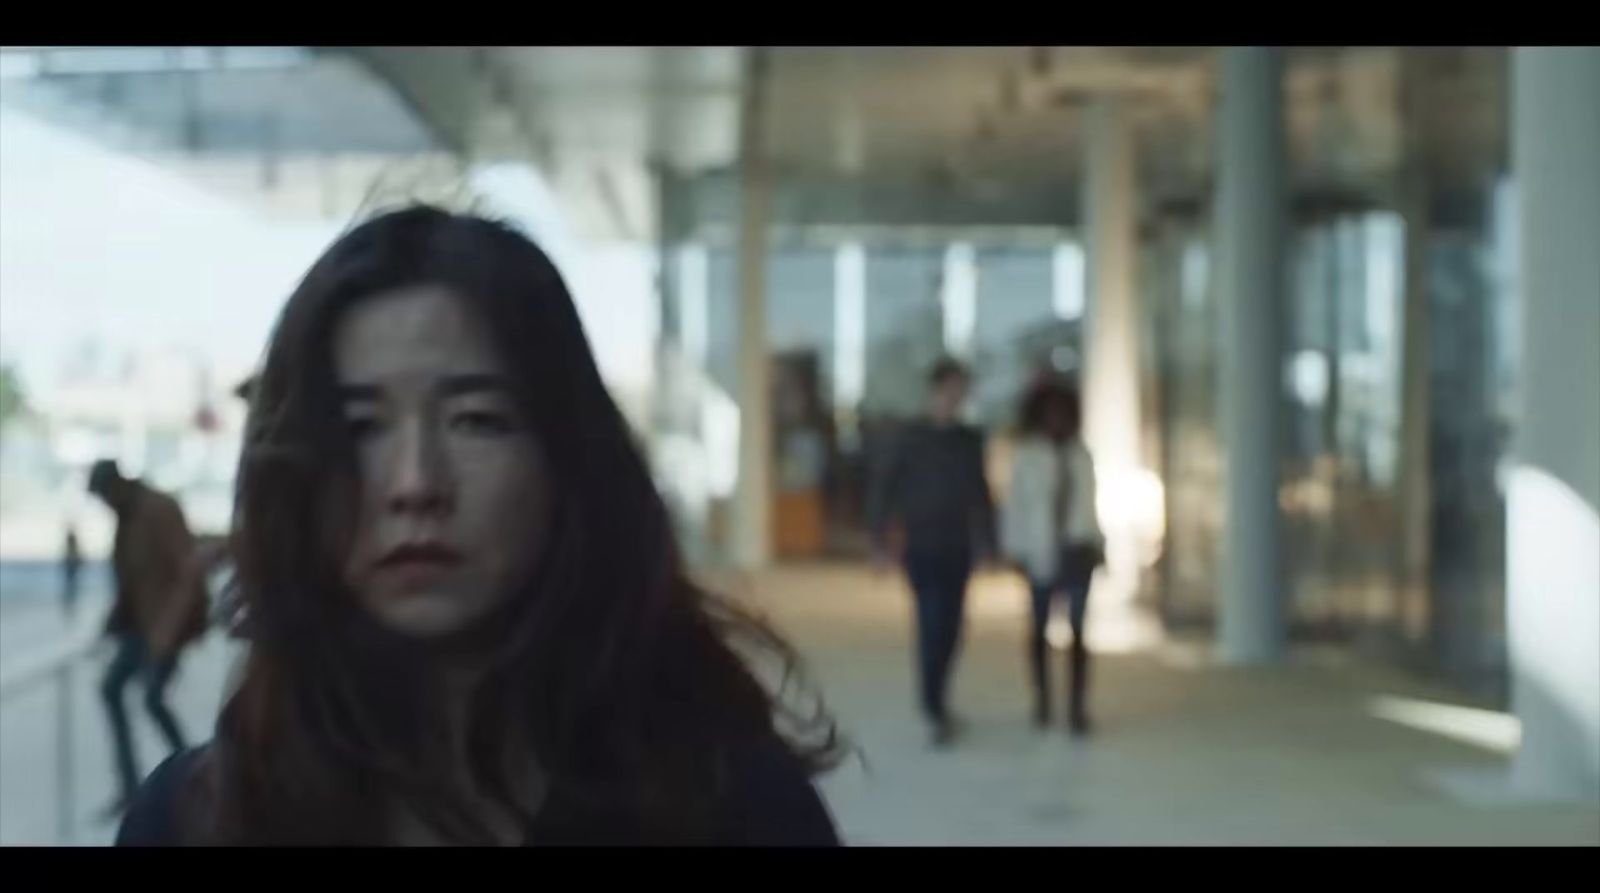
x: 978, y: 121
x: 852, y: 131
x: 215, y: 100
x: 295, y: 132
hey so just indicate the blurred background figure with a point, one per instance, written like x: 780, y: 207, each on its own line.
x: 159, y: 607
x: 932, y: 504
x: 1050, y: 531
x: 71, y: 566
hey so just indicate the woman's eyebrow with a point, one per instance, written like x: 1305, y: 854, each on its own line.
x: 473, y: 383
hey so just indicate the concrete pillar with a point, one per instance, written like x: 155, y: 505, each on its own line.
x: 1553, y: 503
x: 1414, y: 550
x: 752, y: 510
x: 1251, y: 218
x: 1111, y: 339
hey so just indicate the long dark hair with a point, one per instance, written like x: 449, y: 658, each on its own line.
x: 630, y: 685
x: 1043, y: 396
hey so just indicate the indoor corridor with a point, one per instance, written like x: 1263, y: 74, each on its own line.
x: 1324, y: 749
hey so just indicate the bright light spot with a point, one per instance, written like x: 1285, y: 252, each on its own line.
x: 960, y: 297
x: 720, y: 432
x: 1067, y: 280
x: 1553, y: 618
x: 1058, y: 629
x: 1309, y: 377
x: 850, y: 323
x: 1132, y: 501
x: 1488, y: 729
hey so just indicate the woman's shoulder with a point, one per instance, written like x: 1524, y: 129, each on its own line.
x: 1079, y: 451
x: 770, y: 799
x: 152, y: 819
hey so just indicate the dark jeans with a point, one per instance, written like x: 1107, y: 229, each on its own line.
x: 1072, y: 583
x: 939, y: 581
x: 133, y: 659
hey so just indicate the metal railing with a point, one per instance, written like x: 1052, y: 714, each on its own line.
x: 58, y: 664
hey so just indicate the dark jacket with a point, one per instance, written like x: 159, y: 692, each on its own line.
x: 932, y: 484
x: 769, y: 802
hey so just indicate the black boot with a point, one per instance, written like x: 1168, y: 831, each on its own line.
x: 1078, y: 717
x: 1037, y: 654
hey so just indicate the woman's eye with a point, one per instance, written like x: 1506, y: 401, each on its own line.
x: 482, y: 422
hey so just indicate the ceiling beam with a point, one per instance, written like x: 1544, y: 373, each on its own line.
x: 443, y: 87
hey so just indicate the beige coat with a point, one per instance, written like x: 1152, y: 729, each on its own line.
x: 1034, y: 527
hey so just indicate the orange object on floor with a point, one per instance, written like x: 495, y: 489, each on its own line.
x: 799, y: 525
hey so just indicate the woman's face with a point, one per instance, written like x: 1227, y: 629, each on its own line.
x: 1056, y: 420
x: 454, y: 498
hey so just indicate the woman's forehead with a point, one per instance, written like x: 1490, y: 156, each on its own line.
x: 415, y: 330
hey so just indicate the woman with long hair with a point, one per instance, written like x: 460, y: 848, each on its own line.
x: 467, y: 617
x: 1050, y: 530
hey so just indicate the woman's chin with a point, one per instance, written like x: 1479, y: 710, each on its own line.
x: 423, y: 615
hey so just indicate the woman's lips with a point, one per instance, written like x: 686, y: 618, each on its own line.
x: 419, y: 563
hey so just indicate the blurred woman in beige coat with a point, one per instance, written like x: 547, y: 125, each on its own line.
x: 1049, y: 530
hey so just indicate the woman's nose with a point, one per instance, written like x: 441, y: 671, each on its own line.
x: 419, y: 480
